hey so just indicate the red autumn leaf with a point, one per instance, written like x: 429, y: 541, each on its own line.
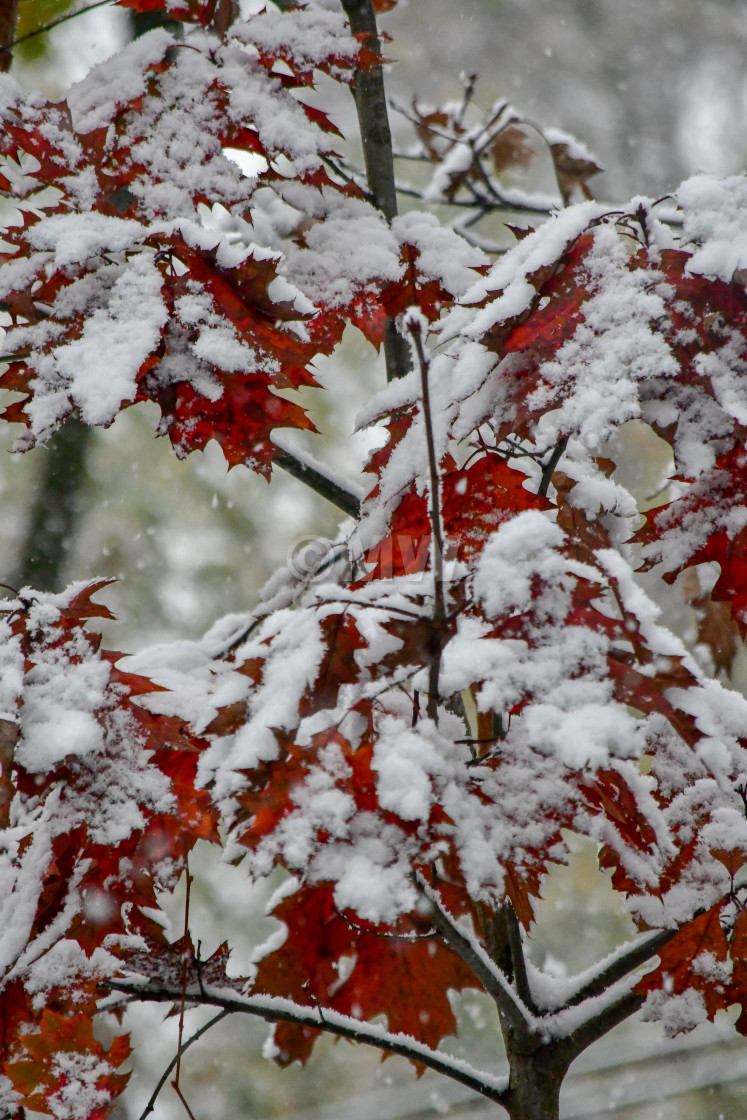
x: 702, y: 516
x: 341, y: 639
x: 476, y: 499
x: 690, y: 961
x: 555, y: 312
x: 311, y: 967
x: 204, y: 12
x: 414, y: 290
x: 64, y: 1062
x: 610, y: 794
x: 269, y: 793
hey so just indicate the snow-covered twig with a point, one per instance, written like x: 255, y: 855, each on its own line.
x: 474, y: 956
x: 275, y: 1009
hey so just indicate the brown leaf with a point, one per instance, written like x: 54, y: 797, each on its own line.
x: 511, y: 148
x: 8, y: 736
x: 716, y: 626
x: 573, y: 172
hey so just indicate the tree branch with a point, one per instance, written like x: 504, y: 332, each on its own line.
x: 376, y: 137
x: 434, y: 510
x: 597, y: 1026
x: 275, y: 1009
x: 516, y: 947
x: 620, y: 966
x: 549, y: 468
x: 476, y: 959
x: 318, y: 482
x: 373, y: 117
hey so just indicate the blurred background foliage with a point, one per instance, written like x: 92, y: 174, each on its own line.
x: 33, y: 14
x: 658, y: 91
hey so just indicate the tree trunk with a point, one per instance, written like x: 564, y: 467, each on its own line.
x: 534, y: 1087
x: 56, y: 509
x: 376, y: 138
x: 8, y: 15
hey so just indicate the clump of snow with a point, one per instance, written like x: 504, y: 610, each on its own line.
x: 714, y: 224
x: 595, y: 375
x: 80, y: 1094
x: 328, y: 272
x: 443, y: 255
x: 114, y: 83
x: 309, y: 37
x: 676, y: 1013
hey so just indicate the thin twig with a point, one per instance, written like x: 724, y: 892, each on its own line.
x: 347, y: 177
x: 182, y: 1098
x: 385, y: 609
x: 549, y: 468
x: 185, y: 975
x: 387, y: 934
x: 55, y: 23
x: 165, y: 1075
x: 469, y: 89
